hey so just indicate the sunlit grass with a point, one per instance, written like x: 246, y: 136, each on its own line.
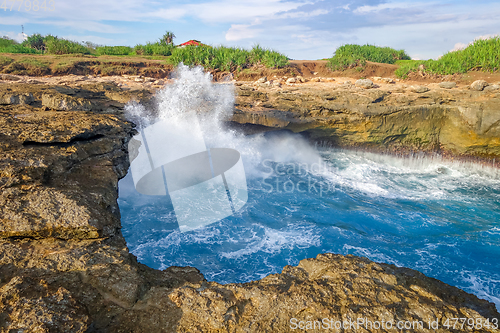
x: 227, y: 58
x: 352, y: 55
x: 481, y: 55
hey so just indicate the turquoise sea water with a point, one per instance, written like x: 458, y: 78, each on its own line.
x: 439, y: 217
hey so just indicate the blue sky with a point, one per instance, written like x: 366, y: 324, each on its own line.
x: 301, y: 29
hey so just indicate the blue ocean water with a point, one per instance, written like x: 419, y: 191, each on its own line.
x: 436, y: 216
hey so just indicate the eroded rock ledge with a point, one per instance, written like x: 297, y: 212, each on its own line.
x: 65, y: 267
x: 389, y: 117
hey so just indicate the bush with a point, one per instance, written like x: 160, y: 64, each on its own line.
x: 18, y: 48
x: 154, y: 49
x: 481, y: 55
x: 226, y: 58
x: 6, y: 42
x: 55, y: 45
x: 113, y: 50
x: 35, y: 41
x: 352, y: 55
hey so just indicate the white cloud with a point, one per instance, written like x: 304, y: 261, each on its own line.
x: 84, y: 25
x: 17, y: 36
x: 461, y: 46
x: 458, y: 46
x: 13, y: 20
x: 241, y: 31
x: 228, y: 11
x: 89, y: 38
x: 373, y: 9
x: 302, y: 14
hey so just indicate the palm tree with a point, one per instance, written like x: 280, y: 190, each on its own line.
x: 168, y: 38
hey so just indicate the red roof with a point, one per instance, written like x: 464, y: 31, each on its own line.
x: 191, y: 42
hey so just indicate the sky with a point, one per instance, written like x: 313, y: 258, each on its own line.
x: 301, y: 29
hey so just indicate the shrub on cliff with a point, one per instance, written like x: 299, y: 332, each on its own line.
x: 18, y: 48
x: 56, y: 45
x: 8, y: 45
x: 154, y: 49
x: 35, y: 41
x: 6, y: 41
x: 352, y: 55
x: 482, y: 54
x: 113, y: 50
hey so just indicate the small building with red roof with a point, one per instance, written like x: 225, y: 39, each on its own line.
x: 191, y: 42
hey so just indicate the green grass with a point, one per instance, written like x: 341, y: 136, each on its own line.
x: 17, y: 48
x: 481, y: 55
x: 5, y: 42
x: 352, y: 55
x: 4, y: 61
x: 113, y: 50
x: 55, y: 45
x: 154, y: 49
x: 227, y: 58
x: 27, y: 66
x: 223, y: 58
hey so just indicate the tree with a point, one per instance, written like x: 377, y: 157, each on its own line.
x: 35, y: 41
x: 168, y: 38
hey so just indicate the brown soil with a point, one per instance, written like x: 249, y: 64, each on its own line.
x: 57, y: 65
x: 307, y: 69
x: 38, y: 65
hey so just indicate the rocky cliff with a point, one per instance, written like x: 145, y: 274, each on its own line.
x: 386, y: 117
x: 65, y: 267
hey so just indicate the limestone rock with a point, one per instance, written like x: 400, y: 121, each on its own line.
x: 30, y: 305
x: 419, y: 89
x: 365, y: 84
x: 316, y: 79
x: 392, y: 119
x: 494, y: 87
x: 262, y: 80
x: 478, y: 85
x: 7, y: 77
x: 329, y: 286
x: 447, y: 85
x: 300, y: 79
x: 65, y: 103
x: 8, y: 98
x: 291, y: 80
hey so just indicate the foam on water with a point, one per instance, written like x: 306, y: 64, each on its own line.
x: 437, y: 216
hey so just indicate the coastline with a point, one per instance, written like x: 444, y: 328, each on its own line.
x: 76, y: 269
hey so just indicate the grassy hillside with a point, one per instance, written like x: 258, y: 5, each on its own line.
x: 227, y: 58
x: 352, y: 55
x: 481, y: 55
x: 222, y: 58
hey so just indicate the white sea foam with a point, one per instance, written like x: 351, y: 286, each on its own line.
x: 412, y: 178
x: 296, y: 236
x: 370, y: 254
x: 482, y: 288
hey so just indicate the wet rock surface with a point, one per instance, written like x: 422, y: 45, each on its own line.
x: 65, y: 267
